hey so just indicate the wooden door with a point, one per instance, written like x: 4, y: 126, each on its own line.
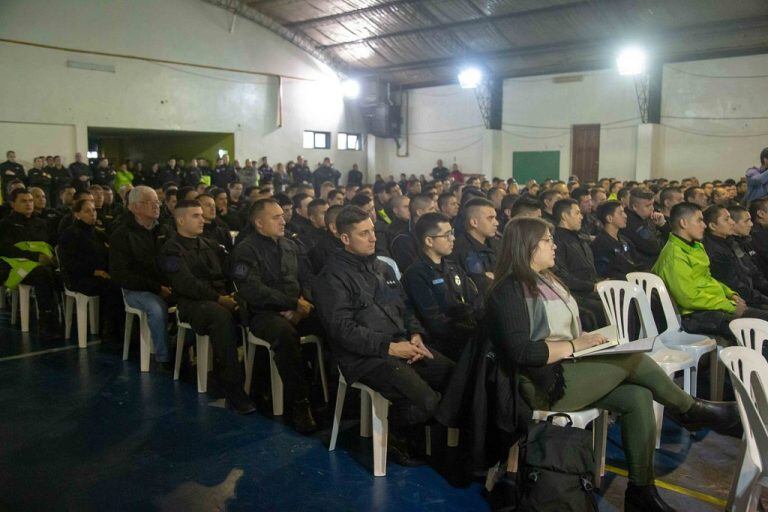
x: 585, y: 151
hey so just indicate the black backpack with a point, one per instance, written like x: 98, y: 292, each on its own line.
x: 556, y: 469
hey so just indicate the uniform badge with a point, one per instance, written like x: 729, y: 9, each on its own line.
x: 457, y: 280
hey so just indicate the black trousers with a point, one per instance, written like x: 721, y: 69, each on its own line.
x: 414, y: 390
x: 285, y: 340
x: 46, y: 286
x: 210, y: 318
x: 716, y: 322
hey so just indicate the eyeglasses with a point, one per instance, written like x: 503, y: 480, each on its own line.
x: 447, y: 236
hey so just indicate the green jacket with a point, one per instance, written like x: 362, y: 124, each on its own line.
x: 122, y: 178
x: 684, y: 268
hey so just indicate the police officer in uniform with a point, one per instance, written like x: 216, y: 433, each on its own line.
x: 641, y: 230
x: 192, y: 175
x: 214, y: 229
x: 10, y: 170
x: 104, y: 174
x: 26, y: 257
x: 38, y: 176
x: 60, y: 177
x: 266, y: 272
x: 404, y: 247
x: 81, y: 172
x: 445, y: 299
x: 195, y: 267
x: 170, y: 174
x: 328, y: 243
x: 375, y: 335
x: 475, y: 249
x: 614, y: 255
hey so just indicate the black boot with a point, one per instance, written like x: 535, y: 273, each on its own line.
x: 399, y: 451
x: 644, y: 498
x: 303, y: 421
x: 722, y: 417
x: 237, y: 400
x: 49, y: 327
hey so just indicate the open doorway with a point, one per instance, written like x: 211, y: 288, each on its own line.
x: 149, y: 146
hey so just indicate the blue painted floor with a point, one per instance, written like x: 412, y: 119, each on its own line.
x: 83, y: 430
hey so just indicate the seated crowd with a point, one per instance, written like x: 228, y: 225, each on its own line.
x: 402, y: 279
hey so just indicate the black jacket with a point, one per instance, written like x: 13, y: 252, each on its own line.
x: 195, y: 268
x: 323, y: 251
x: 727, y: 268
x: 760, y: 246
x: 446, y: 302
x: 191, y: 176
x: 476, y: 259
x: 168, y: 175
x: 218, y: 232
x: 133, y: 255
x: 614, y: 259
x: 747, y: 255
x: 354, y: 178
x: 299, y: 225
x: 404, y: 250
x: 574, y: 263
x: 645, y: 238
x: 266, y: 273
x: 363, y: 309
x: 323, y: 174
x: 104, y: 176
x: 83, y: 249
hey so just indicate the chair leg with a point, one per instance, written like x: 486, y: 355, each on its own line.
x: 250, y: 356
x: 340, y: 394
x: 81, y: 305
x: 716, y: 376
x: 69, y: 308
x: 127, y: 335
x: 93, y: 315
x: 277, y: 387
x: 180, y: 334
x: 203, y: 347
x: 741, y: 494
x: 380, y: 426
x: 658, y: 411
x: 686, y: 380
x: 321, y: 363
x: 513, y: 459
x: 365, y: 414
x: 14, y: 306
x: 24, y: 299
x: 600, y: 441
x: 695, y: 379
x: 145, y: 343
x: 453, y: 437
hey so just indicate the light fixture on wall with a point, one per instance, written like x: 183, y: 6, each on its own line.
x: 470, y: 78
x: 632, y: 61
x: 350, y: 88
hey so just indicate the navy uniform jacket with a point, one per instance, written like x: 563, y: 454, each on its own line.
x: 476, y: 259
x: 40, y: 178
x: 446, y: 301
x: 104, y: 176
x: 363, y: 309
x: 574, y: 263
x: 10, y: 171
x: 644, y: 237
x: 727, y: 268
x: 614, y: 259
x: 404, y: 250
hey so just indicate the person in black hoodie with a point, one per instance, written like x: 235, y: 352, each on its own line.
x: 742, y: 227
x: 614, y: 255
x: 724, y: 264
x: 375, y: 335
x: 84, y: 260
x: 575, y: 265
x: 445, y: 299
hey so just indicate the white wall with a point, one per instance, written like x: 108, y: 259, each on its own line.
x: 714, y: 148
x: 440, y: 122
x: 150, y: 95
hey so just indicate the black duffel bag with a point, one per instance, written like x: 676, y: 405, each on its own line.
x: 556, y: 468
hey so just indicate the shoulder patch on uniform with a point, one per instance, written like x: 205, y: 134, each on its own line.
x: 172, y: 263
x: 240, y: 271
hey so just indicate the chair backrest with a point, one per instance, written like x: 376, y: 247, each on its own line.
x: 751, y: 333
x: 617, y: 297
x: 650, y: 283
x: 391, y: 263
x: 749, y: 376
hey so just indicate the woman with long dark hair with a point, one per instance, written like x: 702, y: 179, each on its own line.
x: 534, y: 329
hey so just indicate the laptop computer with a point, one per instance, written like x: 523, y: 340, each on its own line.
x: 614, y: 346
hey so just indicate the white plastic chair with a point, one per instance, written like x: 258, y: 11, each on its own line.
x: 392, y: 263
x: 276, y: 381
x: 374, y: 413
x: 675, y: 337
x: 617, y: 297
x: 749, y: 375
x: 203, y: 351
x: 751, y: 333
x: 145, y: 337
x: 20, y: 302
x: 87, y: 306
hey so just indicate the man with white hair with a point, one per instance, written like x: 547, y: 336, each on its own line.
x: 133, y: 264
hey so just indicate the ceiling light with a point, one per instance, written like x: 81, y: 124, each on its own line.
x: 470, y: 78
x: 350, y: 89
x: 631, y: 61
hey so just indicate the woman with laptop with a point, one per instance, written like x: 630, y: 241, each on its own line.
x: 534, y: 328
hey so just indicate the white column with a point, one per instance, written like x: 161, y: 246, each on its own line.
x: 81, y: 141
x: 493, y: 155
x: 370, y: 158
x: 648, y: 136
